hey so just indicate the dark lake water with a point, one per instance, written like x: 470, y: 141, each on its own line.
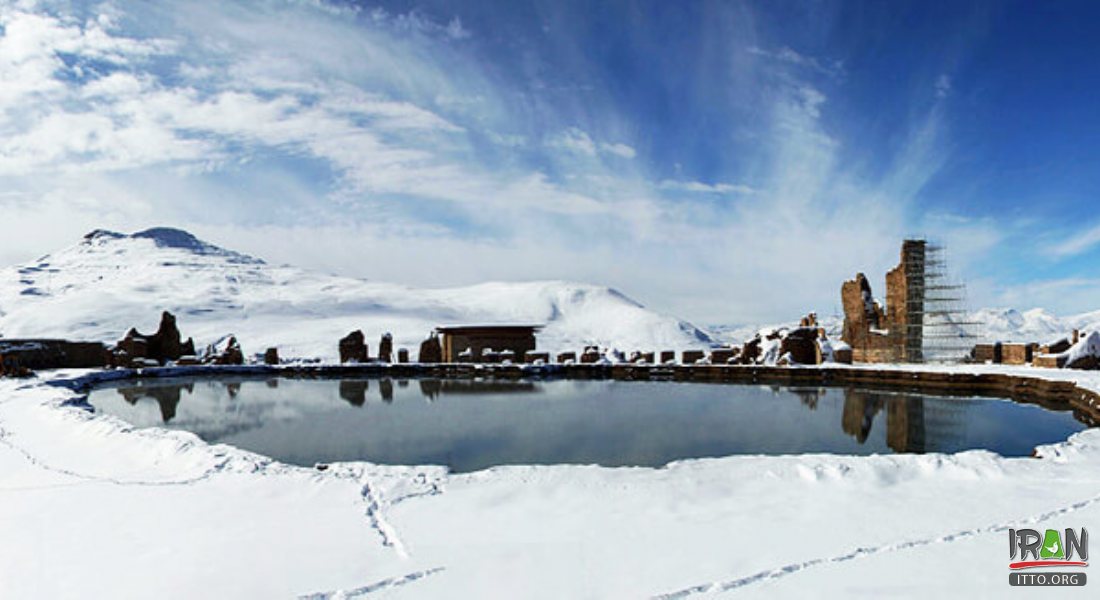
x: 472, y: 425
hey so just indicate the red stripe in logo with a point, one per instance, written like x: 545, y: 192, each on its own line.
x: 1047, y: 563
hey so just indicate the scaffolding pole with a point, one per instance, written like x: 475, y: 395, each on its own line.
x: 939, y: 327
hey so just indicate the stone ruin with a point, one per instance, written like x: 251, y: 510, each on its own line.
x: 353, y: 347
x: 10, y: 367
x: 431, y: 351
x: 226, y: 351
x: 590, y: 355
x: 893, y: 333
x: 535, y: 357
x: 1075, y: 351
x: 271, y: 356
x: 139, y: 349
x: 800, y: 347
x: 385, y: 348
x: 690, y: 357
x: 23, y: 356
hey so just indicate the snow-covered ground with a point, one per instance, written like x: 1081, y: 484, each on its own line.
x: 90, y: 507
x: 109, y: 282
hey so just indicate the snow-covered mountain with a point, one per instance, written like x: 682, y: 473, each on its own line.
x: 110, y: 282
x: 1035, y: 325
x: 741, y: 333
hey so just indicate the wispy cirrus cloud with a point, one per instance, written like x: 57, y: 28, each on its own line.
x: 1075, y: 244
x: 260, y: 122
x: 783, y: 54
x: 706, y: 188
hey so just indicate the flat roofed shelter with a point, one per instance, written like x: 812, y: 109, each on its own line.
x: 458, y: 338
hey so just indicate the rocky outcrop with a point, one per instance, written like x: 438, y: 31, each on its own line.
x: 353, y: 347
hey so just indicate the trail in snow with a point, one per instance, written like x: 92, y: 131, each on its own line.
x: 790, y: 569
x: 374, y: 587
x: 378, y: 521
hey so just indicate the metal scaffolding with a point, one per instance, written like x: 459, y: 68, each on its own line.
x: 938, y: 323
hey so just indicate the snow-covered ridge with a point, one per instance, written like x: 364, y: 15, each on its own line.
x: 994, y: 325
x: 109, y: 282
x: 1035, y: 325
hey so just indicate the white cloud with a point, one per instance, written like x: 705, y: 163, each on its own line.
x: 784, y: 54
x: 574, y: 140
x: 621, y: 150
x: 127, y: 120
x: 706, y: 188
x: 1075, y: 244
x: 579, y: 142
x: 943, y: 85
x: 1061, y: 296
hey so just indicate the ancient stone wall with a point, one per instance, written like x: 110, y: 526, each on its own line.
x: 893, y: 333
x: 1017, y: 354
x: 866, y: 327
x: 517, y: 342
x: 54, y: 354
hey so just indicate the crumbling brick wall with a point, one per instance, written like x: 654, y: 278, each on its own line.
x: 878, y: 334
x: 865, y: 323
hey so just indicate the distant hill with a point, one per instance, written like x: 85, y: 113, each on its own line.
x: 109, y: 282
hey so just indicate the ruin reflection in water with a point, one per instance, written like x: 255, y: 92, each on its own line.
x: 472, y: 424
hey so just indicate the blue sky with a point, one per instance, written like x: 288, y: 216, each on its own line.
x: 727, y: 162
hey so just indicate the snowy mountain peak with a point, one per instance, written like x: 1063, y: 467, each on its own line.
x: 168, y: 237
x: 102, y: 234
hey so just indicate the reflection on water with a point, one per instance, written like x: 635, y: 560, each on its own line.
x: 905, y: 422
x: 472, y: 424
x: 167, y: 397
